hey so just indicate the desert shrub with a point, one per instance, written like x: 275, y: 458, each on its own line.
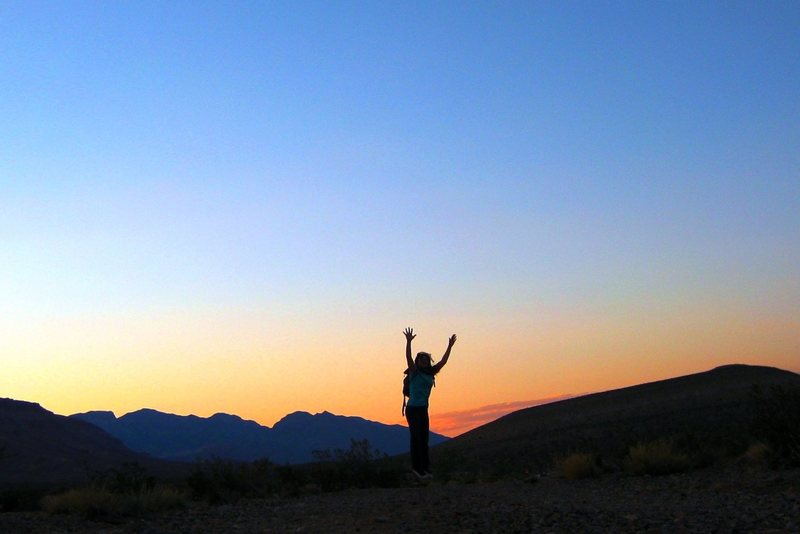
x: 88, y: 501
x: 776, y: 420
x: 757, y: 454
x: 578, y: 465
x: 130, y: 477
x: 359, y: 466
x: 95, y: 501
x: 218, y: 481
x: 655, y: 458
x: 123, y: 491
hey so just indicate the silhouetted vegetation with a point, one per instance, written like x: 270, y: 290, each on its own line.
x: 758, y: 454
x: 220, y: 481
x: 117, y: 492
x: 579, y: 465
x: 130, y: 477
x: 776, y: 420
x: 98, y: 502
x: 128, y: 490
x: 359, y: 466
x: 656, y: 458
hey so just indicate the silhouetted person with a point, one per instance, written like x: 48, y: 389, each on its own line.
x: 421, y: 371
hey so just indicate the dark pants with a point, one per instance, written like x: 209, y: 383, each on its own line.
x: 418, y: 426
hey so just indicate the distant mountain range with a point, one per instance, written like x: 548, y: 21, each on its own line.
x: 291, y: 440
x: 712, y: 408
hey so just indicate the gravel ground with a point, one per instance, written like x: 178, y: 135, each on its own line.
x: 704, y: 501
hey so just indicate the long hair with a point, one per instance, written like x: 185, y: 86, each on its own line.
x: 427, y: 369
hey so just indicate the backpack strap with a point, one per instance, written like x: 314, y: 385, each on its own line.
x: 406, y: 390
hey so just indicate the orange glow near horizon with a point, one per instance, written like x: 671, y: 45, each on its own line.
x: 262, y: 367
x: 456, y: 423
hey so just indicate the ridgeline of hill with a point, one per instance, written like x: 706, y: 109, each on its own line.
x: 39, y: 448
x: 710, y: 410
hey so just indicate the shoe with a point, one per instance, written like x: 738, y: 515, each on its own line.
x: 417, y: 474
x: 427, y: 476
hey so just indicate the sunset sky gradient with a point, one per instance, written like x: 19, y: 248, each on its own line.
x: 237, y: 207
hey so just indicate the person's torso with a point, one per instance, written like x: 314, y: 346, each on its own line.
x: 419, y: 387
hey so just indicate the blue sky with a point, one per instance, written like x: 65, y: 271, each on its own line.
x: 389, y: 162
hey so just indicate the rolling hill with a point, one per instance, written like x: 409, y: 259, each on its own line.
x: 712, y: 408
x: 40, y: 448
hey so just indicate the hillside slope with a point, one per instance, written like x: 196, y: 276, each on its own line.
x: 712, y: 407
x: 41, y: 448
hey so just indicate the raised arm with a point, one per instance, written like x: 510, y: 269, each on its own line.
x: 443, y: 361
x: 409, y: 333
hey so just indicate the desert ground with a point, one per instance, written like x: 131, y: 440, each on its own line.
x: 730, y: 500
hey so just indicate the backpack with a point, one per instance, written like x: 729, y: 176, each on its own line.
x: 406, y: 389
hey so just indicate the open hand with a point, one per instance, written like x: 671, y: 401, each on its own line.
x: 409, y: 333
x: 452, y: 340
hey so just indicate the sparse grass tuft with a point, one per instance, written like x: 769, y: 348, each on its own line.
x: 95, y: 501
x: 655, y: 458
x: 757, y: 454
x: 578, y: 465
x: 79, y: 500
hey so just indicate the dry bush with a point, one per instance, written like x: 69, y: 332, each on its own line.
x: 655, y: 458
x: 79, y: 500
x: 578, y: 465
x: 99, y: 502
x: 757, y: 454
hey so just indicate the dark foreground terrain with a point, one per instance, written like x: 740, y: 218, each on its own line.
x: 733, y: 500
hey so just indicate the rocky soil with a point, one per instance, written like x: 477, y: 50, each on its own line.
x: 703, y: 501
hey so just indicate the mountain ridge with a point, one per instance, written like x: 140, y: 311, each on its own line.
x: 40, y: 448
x: 292, y: 439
